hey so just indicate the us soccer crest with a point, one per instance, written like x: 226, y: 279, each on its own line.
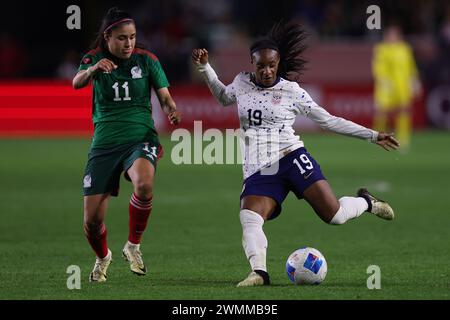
x: 136, y: 72
x: 276, y: 98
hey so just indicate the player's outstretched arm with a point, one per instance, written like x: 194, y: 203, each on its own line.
x: 343, y: 126
x: 218, y: 89
x: 168, y: 105
x: 83, y: 77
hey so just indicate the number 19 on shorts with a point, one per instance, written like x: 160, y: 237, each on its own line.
x: 306, y: 163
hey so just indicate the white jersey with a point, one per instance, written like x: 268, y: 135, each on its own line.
x: 267, y: 116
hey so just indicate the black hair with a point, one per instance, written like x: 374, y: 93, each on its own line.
x: 263, y: 44
x: 288, y: 39
x: 114, y: 15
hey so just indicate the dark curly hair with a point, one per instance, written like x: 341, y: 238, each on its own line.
x: 288, y: 39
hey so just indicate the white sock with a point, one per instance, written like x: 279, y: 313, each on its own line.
x: 350, y: 208
x: 254, y: 240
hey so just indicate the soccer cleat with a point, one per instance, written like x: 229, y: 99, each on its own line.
x: 377, y: 206
x: 255, y: 278
x: 98, y: 274
x: 133, y: 255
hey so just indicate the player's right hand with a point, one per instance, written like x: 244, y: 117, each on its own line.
x: 104, y: 65
x: 200, y: 56
x: 174, y: 117
x: 387, y: 141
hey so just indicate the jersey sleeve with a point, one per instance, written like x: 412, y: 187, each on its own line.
x: 87, y: 61
x: 230, y: 90
x: 225, y: 95
x: 304, y: 103
x: 308, y: 108
x: 156, y: 73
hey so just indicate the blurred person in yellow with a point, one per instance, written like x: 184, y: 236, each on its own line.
x: 396, y: 84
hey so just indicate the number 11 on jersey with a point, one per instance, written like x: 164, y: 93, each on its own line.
x: 116, y: 91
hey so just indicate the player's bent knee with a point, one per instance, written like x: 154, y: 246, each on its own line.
x: 91, y: 218
x: 262, y: 206
x: 337, y: 218
x: 327, y: 215
x: 327, y: 219
x: 144, y: 189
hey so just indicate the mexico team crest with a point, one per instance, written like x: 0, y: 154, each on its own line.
x: 136, y: 72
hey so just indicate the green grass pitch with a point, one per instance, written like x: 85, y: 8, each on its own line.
x: 193, y: 242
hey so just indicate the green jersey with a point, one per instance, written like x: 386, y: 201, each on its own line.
x: 122, y: 111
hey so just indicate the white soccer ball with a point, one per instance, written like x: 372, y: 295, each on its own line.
x: 306, y: 266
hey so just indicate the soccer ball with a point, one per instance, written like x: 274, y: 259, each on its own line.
x: 306, y: 266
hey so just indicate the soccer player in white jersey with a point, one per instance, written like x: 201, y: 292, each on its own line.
x: 275, y: 159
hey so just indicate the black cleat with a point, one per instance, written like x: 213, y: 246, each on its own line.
x: 377, y: 206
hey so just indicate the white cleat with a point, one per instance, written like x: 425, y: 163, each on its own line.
x: 133, y: 255
x: 98, y: 274
x: 377, y: 206
x: 259, y: 278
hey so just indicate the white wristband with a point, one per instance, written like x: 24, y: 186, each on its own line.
x: 374, y: 136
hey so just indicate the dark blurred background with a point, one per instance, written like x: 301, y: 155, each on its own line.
x: 36, y: 45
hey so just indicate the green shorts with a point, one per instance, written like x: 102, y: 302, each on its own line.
x: 104, y: 166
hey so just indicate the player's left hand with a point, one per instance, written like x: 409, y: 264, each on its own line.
x: 387, y: 141
x: 174, y: 117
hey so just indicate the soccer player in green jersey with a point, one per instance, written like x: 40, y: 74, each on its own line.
x: 125, y: 139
